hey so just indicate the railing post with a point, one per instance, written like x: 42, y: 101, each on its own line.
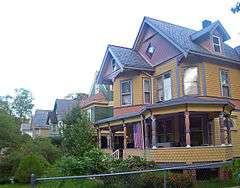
x: 33, y: 181
x: 164, y: 179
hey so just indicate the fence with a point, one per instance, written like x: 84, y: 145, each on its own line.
x: 162, y: 177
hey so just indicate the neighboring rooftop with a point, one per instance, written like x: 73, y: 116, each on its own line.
x: 62, y: 106
x: 40, y: 118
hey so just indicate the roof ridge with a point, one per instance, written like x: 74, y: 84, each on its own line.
x: 170, y: 23
x: 112, y: 45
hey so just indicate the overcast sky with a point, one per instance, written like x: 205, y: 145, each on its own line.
x: 54, y: 47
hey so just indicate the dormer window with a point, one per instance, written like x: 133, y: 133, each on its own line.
x: 217, y: 44
x: 150, y: 50
x: 114, y: 65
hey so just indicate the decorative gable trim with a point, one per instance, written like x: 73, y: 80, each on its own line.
x: 104, y: 64
x: 145, y: 21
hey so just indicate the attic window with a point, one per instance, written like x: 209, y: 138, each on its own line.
x: 216, y: 44
x: 150, y: 50
x: 114, y: 66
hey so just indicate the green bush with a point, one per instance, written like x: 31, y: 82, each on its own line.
x: 30, y: 164
x: 179, y: 180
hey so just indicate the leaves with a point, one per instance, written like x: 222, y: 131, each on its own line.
x: 236, y: 8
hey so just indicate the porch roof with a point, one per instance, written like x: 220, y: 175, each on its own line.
x: 197, y: 100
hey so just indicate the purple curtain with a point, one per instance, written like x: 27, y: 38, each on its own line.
x: 137, y: 132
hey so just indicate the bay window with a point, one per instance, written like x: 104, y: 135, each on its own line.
x: 164, y: 87
x: 225, y: 86
x: 126, y: 92
x: 147, y: 91
x: 190, y: 81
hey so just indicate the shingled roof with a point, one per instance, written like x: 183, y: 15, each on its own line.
x: 181, y: 37
x: 129, y: 58
x: 62, y: 106
x: 40, y: 118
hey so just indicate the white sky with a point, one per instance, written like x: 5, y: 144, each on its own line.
x: 54, y: 47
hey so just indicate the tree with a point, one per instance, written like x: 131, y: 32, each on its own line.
x: 78, y: 135
x: 9, y: 134
x: 236, y: 8
x: 5, y: 104
x: 22, y: 103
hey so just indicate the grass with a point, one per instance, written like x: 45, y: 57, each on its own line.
x: 215, y: 184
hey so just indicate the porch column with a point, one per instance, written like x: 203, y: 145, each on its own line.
x: 125, y: 135
x: 221, y: 123
x: 99, y: 138
x: 187, y: 129
x: 229, y: 136
x: 154, y: 136
x: 110, y: 137
x: 142, y: 130
x: 146, y: 130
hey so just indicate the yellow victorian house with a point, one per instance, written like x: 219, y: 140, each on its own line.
x: 176, y: 94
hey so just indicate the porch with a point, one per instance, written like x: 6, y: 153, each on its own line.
x: 179, y: 134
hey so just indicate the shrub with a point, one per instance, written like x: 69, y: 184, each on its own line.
x: 30, y: 164
x: 178, y: 180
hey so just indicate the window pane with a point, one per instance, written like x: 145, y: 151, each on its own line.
x: 190, y: 81
x: 224, y: 78
x: 217, y: 48
x: 147, y: 85
x: 216, y: 40
x: 225, y: 90
x: 191, y: 74
x: 126, y: 88
x: 190, y: 88
x: 167, y: 88
x: 160, y: 95
x: 160, y: 83
x: 150, y: 50
x: 126, y: 99
x: 147, y: 97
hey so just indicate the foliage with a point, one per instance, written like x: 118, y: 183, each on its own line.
x: 43, y: 147
x: 22, y: 103
x: 30, y: 164
x: 236, y: 8
x: 92, y: 162
x: 9, y: 135
x: 5, y: 104
x: 77, y: 133
x: 130, y: 164
x: 235, y: 169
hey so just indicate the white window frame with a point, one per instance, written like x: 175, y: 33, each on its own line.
x: 197, y: 81
x: 225, y: 85
x: 163, y: 87
x: 129, y: 93
x: 215, y: 44
x: 145, y: 91
x: 150, y: 54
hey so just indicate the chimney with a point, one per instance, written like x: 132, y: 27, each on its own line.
x: 206, y: 23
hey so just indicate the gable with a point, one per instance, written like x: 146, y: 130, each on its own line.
x: 164, y: 50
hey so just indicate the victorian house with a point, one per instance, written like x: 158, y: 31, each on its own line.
x: 176, y: 94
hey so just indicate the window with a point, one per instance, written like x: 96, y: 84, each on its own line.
x: 89, y: 113
x: 225, y: 83
x: 150, y: 50
x: 164, y: 87
x: 216, y: 44
x: 147, y: 91
x: 191, y: 81
x: 114, y: 65
x: 126, y: 92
